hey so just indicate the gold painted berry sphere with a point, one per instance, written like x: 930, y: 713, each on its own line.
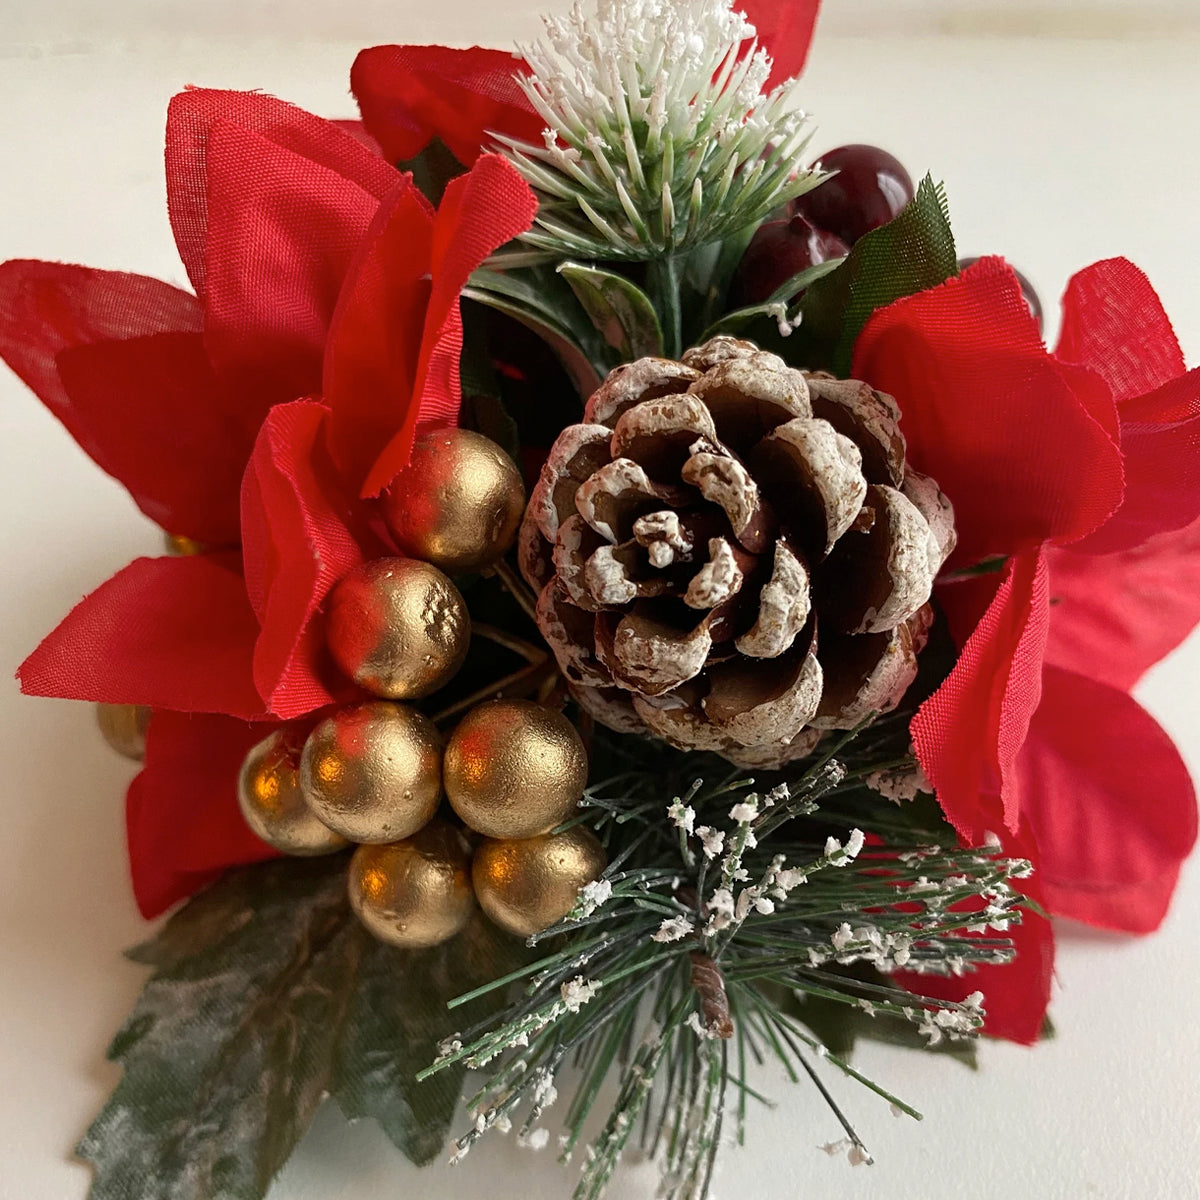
x: 397, y: 627
x: 458, y: 503
x: 414, y: 893
x: 526, y: 886
x: 273, y: 805
x: 373, y: 771
x: 514, y: 769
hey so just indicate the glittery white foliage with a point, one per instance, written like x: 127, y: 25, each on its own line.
x: 659, y: 134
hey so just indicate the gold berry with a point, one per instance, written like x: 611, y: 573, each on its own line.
x: 526, y: 886
x: 373, y: 771
x: 458, y: 503
x: 514, y: 769
x: 398, y: 627
x: 272, y: 804
x: 123, y: 727
x: 416, y: 892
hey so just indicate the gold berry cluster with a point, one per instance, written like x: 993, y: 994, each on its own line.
x: 375, y: 773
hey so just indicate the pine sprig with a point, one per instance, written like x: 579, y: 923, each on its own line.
x: 719, y: 905
x: 659, y: 137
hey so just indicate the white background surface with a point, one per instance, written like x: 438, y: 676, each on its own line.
x: 1054, y: 152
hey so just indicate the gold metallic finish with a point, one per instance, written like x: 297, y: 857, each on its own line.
x: 398, y: 628
x: 373, y: 771
x: 458, y: 503
x: 181, y: 546
x: 514, y: 769
x: 123, y: 727
x: 272, y: 803
x: 417, y: 892
x: 526, y: 886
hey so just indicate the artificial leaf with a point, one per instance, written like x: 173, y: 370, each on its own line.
x: 517, y: 299
x: 620, y: 310
x: 267, y: 995
x: 909, y: 254
x: 742, y: 318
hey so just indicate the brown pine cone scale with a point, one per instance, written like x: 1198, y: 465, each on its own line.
x: 732, y: 555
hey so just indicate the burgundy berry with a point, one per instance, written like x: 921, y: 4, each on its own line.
x: 779, y: 250
x: 1027, y: 290
x: 870, y: 188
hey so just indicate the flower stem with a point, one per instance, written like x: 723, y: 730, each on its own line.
x: 663, y: 276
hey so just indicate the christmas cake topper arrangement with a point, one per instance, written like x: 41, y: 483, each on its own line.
x: 635, y: 605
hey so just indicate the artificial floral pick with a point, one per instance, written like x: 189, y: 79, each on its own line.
x: 803, y: 696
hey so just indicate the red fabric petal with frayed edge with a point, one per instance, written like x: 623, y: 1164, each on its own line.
x: 1110, y: 802
x: 374, y: 346
x: 785, y: 29
x: 480, y: 211
x: 190, y: 119
x: 969, y: 733
x: 120, y: 361
x: 282, y: 232
x: 1114, y: 323
x: 182, y: 819
x: 1160, y: 442
x: 172, y: 633
x: 302, y: 534
x: 408, y: 95
x: 1114, y: 616
x: 1024, y: 455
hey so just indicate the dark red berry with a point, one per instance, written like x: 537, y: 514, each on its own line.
x: 1027, y: 290
x: 870, y: 188
x: 779, y: 250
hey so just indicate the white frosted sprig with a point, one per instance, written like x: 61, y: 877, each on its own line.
x: 659, y: 135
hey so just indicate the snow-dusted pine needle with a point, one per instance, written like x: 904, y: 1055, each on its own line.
x: 659, y: 135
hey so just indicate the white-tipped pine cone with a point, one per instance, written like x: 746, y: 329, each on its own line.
x: 732, y: 555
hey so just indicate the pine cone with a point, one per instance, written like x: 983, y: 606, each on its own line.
x: 732, y: 554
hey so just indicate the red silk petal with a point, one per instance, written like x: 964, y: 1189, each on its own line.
x: 182, y: 819
x: 374, y: 345
x: 785, y: 29
x: 358, y: 131
x: 991, y: 416
x: 1114, y: 323
x: 480, y: 211
x: 190, y: 119
x: 969, y: 733
x: 165, y: 421
x: 282, y: 232
x: 301, y: 536
x: 172, y: 633
x: 1115, y: 615
x: 408, y: 95
x: 120, y: 361
x: 1160, y: 442
x: 1110, y: 801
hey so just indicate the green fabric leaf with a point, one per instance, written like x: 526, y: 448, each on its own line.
x: 741, y: 319
x: 621, y: 312
x: 551, y: 317
x: 266, y: 996
x: 910, y: 254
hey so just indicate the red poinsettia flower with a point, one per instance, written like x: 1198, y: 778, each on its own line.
x: 1082, y: 469
x: 410, y: 95
x: 319, y: 271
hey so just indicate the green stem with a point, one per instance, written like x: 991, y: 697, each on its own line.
x: 663, y: 277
